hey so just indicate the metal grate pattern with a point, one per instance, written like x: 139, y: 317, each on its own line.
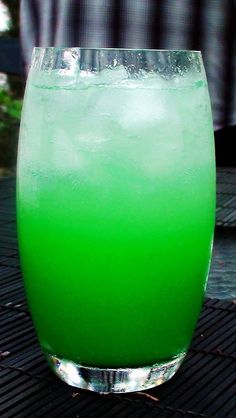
x: 226, y: 197
x: 205, y: 385
x: 222, y: 278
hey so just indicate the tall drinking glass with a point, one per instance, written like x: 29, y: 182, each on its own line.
x: 116, y: 202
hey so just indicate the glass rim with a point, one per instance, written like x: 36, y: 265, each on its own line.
x: 61, y: 48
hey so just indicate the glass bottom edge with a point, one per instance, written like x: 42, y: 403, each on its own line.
x: 112, y: 380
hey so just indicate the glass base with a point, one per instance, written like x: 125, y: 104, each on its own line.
x: 120, y: 380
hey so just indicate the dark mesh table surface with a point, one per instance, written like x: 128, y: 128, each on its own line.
x: 226, y: 197
x: 205, y: 385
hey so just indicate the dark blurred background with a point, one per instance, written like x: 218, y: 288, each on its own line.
x: 207, y: 25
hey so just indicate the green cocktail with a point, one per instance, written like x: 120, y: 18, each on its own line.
x: 116, y: 200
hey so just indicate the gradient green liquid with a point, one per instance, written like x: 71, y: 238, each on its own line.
x: 116, y: 199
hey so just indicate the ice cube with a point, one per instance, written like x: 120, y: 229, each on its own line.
x: 142, y: 108
x: 109, y: 76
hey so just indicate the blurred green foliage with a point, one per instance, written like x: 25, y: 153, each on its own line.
x: 10, y: 112
x: 10, y: 101
x: 9, y: 107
